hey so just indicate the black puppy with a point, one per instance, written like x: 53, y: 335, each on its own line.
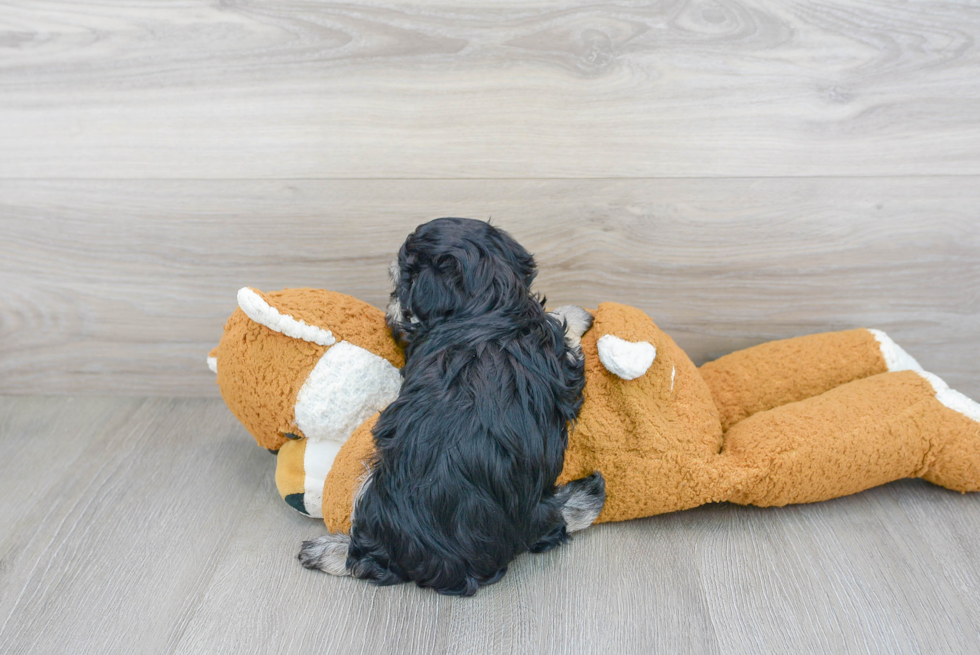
x: 468, y: 454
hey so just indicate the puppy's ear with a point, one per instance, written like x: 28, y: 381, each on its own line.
x: 581, y: 501
x: 437, y: 290
x: 515, y: 256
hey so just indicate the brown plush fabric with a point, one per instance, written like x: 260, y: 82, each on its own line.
x: 348, y: 318
x: 290, y: 475
x: 953, y: 459
x: 259, y: 374
x: 857, y: 436
x: 843, y: 427
x: 641, y: 434
x: 261, y: 371
x: 779, y: 372
x: 345, y: 476
x: 807, y: 419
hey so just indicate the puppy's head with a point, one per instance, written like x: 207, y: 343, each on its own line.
x: 456, y: 268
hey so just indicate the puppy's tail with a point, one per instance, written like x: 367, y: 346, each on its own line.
x: 327, y: 553
x: 581, y: 501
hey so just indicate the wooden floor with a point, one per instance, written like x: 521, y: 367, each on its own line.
x: 153, y: 526
x: 742, y: 170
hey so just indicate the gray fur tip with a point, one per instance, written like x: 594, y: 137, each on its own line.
x: 582, y: 501
x: 327, y: 553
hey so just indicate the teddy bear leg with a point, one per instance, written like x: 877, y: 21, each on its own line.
x: 860, y: 435
x: 779, y: 372
x: 954, y: 458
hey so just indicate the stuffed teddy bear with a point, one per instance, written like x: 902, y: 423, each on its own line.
x: 793, y: 421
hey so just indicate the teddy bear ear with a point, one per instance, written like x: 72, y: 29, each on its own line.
x: 322, y: 317
x: 625, y: 359
x: 213, y: 360
x: 257, y: 307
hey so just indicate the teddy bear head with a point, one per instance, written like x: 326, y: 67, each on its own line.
x: 305, y: 363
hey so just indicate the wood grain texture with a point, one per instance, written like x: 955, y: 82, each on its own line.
x: 116, y: 552
x: 743, y: 170
x: 123, y: 286
x: 157, y: 529
x: 308, y: 89
x: 864, y: 584
x: 942, y: 533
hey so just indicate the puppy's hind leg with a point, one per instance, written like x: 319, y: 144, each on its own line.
x: 577, y: 322
x: 327, y: 553
x: 581, y: 501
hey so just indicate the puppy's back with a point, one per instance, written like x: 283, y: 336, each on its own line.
x: 467, y: 459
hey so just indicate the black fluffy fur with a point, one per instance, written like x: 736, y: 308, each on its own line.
x: 468, y: 454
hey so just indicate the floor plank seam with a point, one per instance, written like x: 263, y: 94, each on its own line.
x: 642, y: 178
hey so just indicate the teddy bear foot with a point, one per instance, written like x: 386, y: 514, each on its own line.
x: 953, y: 458
x: 952, y: 398
x: 896, y: 359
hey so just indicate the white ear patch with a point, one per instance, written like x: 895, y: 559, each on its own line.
x: 346, y: 386
x: 213, y: 364
x: 626, y: 359
x: 265, y: 314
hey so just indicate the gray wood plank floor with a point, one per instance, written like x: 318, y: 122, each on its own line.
x: 153, y: 526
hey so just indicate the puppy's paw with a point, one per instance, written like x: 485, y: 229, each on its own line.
x: 577, y: 322
x: 327, y: 553
x: 582, y: 500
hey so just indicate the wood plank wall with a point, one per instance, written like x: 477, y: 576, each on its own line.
x: 743, y: 170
